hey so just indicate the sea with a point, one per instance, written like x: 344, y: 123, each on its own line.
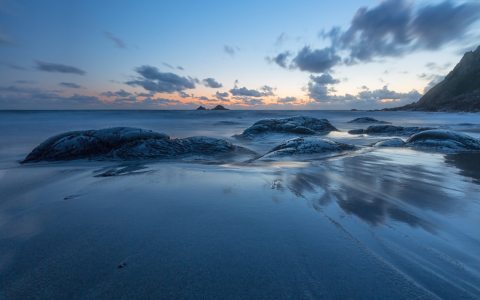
x: 393, y: 223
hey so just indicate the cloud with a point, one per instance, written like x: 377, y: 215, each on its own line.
x: 393, y: 28
x: 49, y: 67
x: 180, y: 68
x: 184, y: 95
x: 434, y: 67
x: 287, y: 100
x: 153, y: 80
x: 70, y: 85
x: 267, y: 91
x: 168, y: 66
x: 221, y: 96
x: 229, y: 50
x: 210, y: 82
x: 118, y: 42
x: 120, y: 93
x: 433, y: 80
x: 324, y: 79
x: 316, y: 61
x: 16, y: 67
x: 280, y: 59
x: 281, y: 38
x: 245, y: 92
x: 249, y: 101
x: 25, y: 81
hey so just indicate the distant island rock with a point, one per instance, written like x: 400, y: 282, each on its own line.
x: 367, y: 120
x: 299, y: 125
x: 126, y: 143
x: 218, y: 107
x: 459, y: 91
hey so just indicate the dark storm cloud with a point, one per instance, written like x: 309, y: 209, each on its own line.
x: 70, y: 85
x: 49, y: 67
x: 118, y: 42
x: 316, y: 61
x: 317, y: 87
x: 153, y: 80
x: 210, y: 82
x: 385, y: 93
x: 121, y: 93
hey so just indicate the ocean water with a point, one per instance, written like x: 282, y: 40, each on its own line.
x: 371, y: 224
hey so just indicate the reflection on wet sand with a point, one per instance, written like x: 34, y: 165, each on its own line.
x: 374, y: 189
x: 467, y: 163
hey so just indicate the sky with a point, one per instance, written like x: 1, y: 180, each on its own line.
x: 303, y: 54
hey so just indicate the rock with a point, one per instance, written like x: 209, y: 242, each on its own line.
x: 228, y: 123
x: 307, y: 145
x: 389, y: 130
x: 367, y: 120
x: 443, y: 139
x: 219, y: 107
x: 299, y: 125
x: 125, y: 143
x: 201, y: 108
x: 396, y: 142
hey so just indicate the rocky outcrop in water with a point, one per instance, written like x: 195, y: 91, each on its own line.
x: 459, y: 91
x: 435, y: 139
x: 125, y: 143
x: 201, y: 108
x: 367, y: 120
x: 219, y: 107
x: 441, y: 139
x: 389, y: 130
x: 307, y: 145
x: 299, y: 125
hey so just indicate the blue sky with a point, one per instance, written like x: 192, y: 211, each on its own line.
x: 243, y: 55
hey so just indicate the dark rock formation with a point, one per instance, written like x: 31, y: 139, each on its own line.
x: 459, y: 91
x: 443, y: 139
x: 389, y: 130
x: 367, y: 120
x: 219, y: 107
x: 307, y: 145
x: 201, y: 108
x: 125, y: 143
x: 299, y: 125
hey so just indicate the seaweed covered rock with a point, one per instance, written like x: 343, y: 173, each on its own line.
x: 367, y: 120
x: 299, y: 125
x: 396, y: 142
x: 443, y: 139
x: 389, y: 130
x: 307, y: 145
x: 126, y: 143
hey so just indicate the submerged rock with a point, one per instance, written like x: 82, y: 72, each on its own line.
x: 367, y: 120
x: 389, y: 130
x: 299, y: 125
x: 126, y: 143
x: 396, y: 142
x: 443, y: 139
x: 307, y: 145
